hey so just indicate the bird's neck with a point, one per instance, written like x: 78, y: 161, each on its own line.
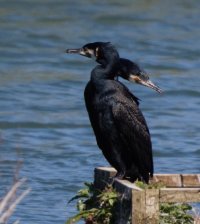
x: 107, y: 70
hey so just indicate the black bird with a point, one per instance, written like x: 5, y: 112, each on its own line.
x: 119, y: 126
x: 132, y: 72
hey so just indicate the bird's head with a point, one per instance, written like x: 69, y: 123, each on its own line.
x: 99, y: 51
x: 132, y: 72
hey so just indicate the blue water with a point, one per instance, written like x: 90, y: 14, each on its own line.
x: 43, y: 120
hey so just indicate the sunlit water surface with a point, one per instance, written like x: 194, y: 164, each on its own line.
x: 43, y: 120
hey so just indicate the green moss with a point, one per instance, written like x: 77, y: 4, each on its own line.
x: 142, y: 185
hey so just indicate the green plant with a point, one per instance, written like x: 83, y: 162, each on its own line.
x: 95, y: 206
x: 154, y: 185
x: 170, y: 213
x: 176, y: 213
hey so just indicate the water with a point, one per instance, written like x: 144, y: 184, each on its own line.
x: 43, y: 121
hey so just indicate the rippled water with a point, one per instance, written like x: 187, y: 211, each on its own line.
x: 43, y: 120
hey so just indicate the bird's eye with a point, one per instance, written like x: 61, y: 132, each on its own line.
x: 88, y: 52
x: 143, y: 76
x: 85, y: 49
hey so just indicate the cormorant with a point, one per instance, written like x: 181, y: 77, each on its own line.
x: 119, y: 126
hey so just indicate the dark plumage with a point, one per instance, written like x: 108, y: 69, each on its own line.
x: 119, y: 126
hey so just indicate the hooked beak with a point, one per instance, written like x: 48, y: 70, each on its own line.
x: 80, y: 51
x: 73, y: 51
x: 144, y: 82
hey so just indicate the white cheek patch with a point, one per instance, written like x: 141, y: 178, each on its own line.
x: 91, y: 52
x: 82, y: 52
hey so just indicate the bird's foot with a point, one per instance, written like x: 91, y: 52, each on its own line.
x: 118, y: 176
